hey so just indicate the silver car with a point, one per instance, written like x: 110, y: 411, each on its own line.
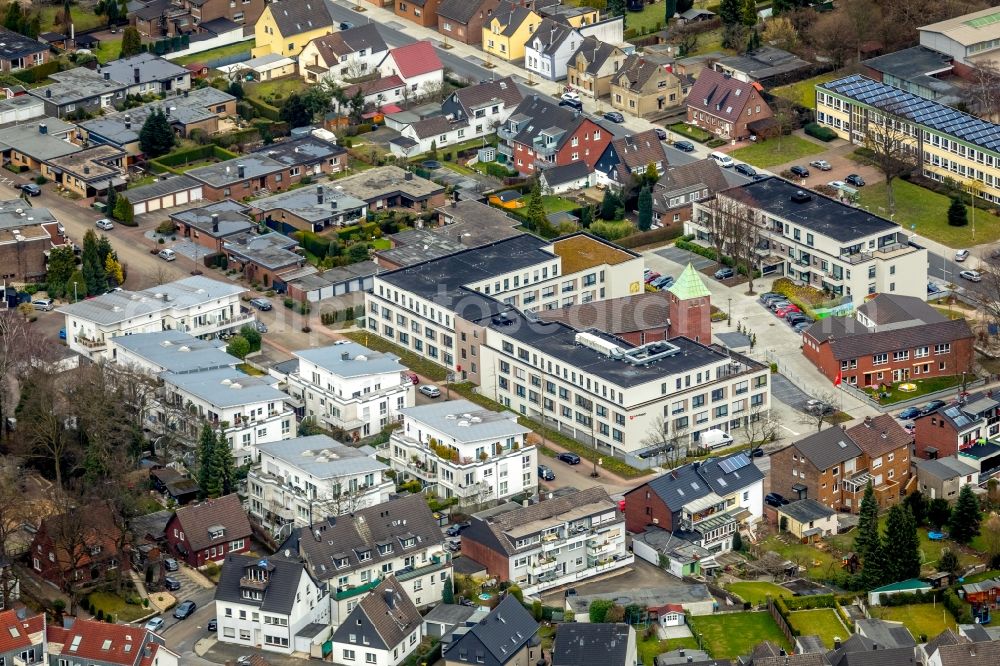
x: 430, y: 391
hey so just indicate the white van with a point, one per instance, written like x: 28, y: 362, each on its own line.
x: 167, y: 254
x: 723, y: 160
x: 714, y: 439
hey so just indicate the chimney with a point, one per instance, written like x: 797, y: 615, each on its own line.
x: 681, y: 652
x: 43, y: 128
x: 241, y: 170
x: 345, y: 356
x: 868, y: 422
x: 690, y: 659
x: 86, y: 170
x: 333, y: 205
x: 408, y: 176
x: 128, y: 121
x: 390, y: 598
x: 874, y: 646
x: 107, y: 76
x: 781, y: 652
x: 215, y: 223
x: 135, y: 74
x: 454, y: 204
x: 166, y: 111
x: 319, y: 194
x: 48, y: 94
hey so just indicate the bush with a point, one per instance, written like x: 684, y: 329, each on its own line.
x: 211, y: 569
x: 166, y: 228
x: 612, y: 230
x: 817, y: 131
x: 661, y: 235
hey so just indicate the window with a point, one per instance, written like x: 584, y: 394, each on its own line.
x: 348, y: 655
x: 880, y: 359
x: 369, y: 657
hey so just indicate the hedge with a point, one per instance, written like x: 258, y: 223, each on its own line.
x: 810, y: 602
x: 362, y: 230
x: 817, y: 131
x: 264, y: 109
x: 39, y: 73
x: 651, y: 237
x: 182, y: 157
x: 907, y: 598
x: 417, y: 364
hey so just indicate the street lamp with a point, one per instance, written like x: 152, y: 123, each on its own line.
x: 729, y: 315
x: 973, y: 188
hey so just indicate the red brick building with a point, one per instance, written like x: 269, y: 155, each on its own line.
x: 541, y: 133
x: 199, y: 533
x: 724, y: 106
x: 421, y: 12
x: 958, y: 426
x: 209, y: 226
x: 891, y: 339
x: 77, y: 547
x: 835, y: 465
x: 463, y: 20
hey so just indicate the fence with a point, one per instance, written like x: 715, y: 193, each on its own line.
x: 921, y: 399
x: 779, y: 619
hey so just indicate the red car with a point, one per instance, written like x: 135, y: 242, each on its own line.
x: 781, y: 312
x: 652, y: 276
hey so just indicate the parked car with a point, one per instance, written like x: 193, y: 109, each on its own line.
x: 663, y: 282
x: 684, y: 146
x: 213, y: 625
x: 724, y: 273
x: 757, y: 453
x: 171, y: 583
x: 774, y: 306
x: 454, y: 545
x: 651, y: 276
x: 545, y: 473
x: 800, y: 171
x: 430, y: 391
x: 661, y: 134
x: 260, y: 326
x: 456, y: 529
x: 185, y: 609
x: 855, y: 180
x: 910, y: 427
x: 819, y: 407
x: 572, y: 104
x: 774, y: 499
x: 43, y: 304
x: 767, y: 295
x: 154, y: 624
x: 414, y: 379
x: 837, y: 184
x: 346, y: 25
x: 104, y: 224
x: 933, y: 288
x: 570, y: 458
x: 803, y: 325
x: 614, y: 117
x: 822, y: 165
x: 31, y: 189
x: 784, y: 310
x: 570, y: 96
x: 961, y: 255
x: 62, y: 333
x: 646, y: 272
x: 931, y: 406
x: 909, y: 413
x: 170, y: 564
x: 261, y: 303
x: 745, y: 169
x: 972, y: 276
x: 794, y: 318
x: 167, y: 254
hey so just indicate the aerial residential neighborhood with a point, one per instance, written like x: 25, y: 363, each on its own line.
x: 504, y: 332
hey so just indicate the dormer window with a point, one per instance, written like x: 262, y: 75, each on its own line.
x: 216, y: 532
x: 95, y: 550
x: 409, y: 542
x: 364, y: 555
x: 385, y: 549
x: 341, y: 562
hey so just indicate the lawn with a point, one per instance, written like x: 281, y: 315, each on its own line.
x: 648, y: 649
x: 83, y: 19
x: 729, y: 635
x: 649, y: 19
x: 554, y: 204
x: 924, y: 386
x: 116, y: 606
x: 277, y: 89
x: 822, y: 622
x: 776, y: 151
x: 927, y: 211
x: 921, y: 619
x: 108, y: 50
x: 930, y: 551
x: 382, y: 244
x: 819, y: 564
x: 415, y: 363
x: 804, y: 92
x: 691, y: 132
x: 757, y: 593
x: 214, y: 54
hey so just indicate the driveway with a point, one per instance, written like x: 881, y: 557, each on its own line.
x: 683, y: 258
x: 788, y: 393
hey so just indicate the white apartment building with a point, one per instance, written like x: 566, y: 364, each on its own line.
x: 251, y: 410
x: 458, y: 449
x: 565, y: 539
x: 169, y: 351
x: 594, y: 386
x: 353, y: 553
x: 822, y: 242
x: 302, y: 480
x: 349, y: 387
x: 272, y: 604
x: 436, y: 308
x: 197, y: 305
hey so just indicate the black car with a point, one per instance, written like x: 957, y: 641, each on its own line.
x: 614, y: 117
x: 545, y: 473
x: 774, y: 499
x: 661, y: 134
x: 745, y: 169
x: 932, y: 406
x: 30, y: 188
x: 770, y: 297
x: 757, y: 453
x: 456, y: 529
x: 800, y: 171
x: 794, y: 318
x: 568, y: 457
x: 572, y: 103
x: 684, y: 146
x: 185, y: 609
x: 724, y: 273
x: 909, y: 413
x: 855, y: 180
x: 346, y: 25
x: 171, y: 583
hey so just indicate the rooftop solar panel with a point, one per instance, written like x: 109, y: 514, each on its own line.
x: 730, y: 465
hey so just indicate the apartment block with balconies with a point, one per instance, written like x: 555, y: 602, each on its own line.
x: 348, y: 387
x: 567, y: 538
x: 819, y: 241
x: 458, y: 449
x: 300, y: 480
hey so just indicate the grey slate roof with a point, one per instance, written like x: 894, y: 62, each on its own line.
x: 964, y: 654
x: 595, y: 51
x: 460, y: 11
x: 306, y: 202
x: 182, y: 110
x: 294, y: 17
x: 382, y: 619
x: 827, y: 448
x: 15, y: 45
x: 323, y: 457
x: 149, y: 67
x: 495, y: 640
x: 806, y: 510
x: 77, y: 85
x: 565, y: 173
x: 885, y: 634
x: 466, y: 421
x: 283, y: 582
x: 689, y: 482
x: 551, y: 35
x: 944, y: 468
x: 161, y: 188
x: 226, y: 387
x: 228, y: 172
x: 304, y: 150
x: 270, y: 250
x: 896, y: 310
x: 232, y: 218
x: 359, y: 361
x: 450, y: 615
x: 484, y: 93
x: 591, y: 644
x: 27, y: 138
x: 177, y: 351
x: 345, y: 42
x: 511, y: 16
x: 684, y: 179
x: 343, y: 537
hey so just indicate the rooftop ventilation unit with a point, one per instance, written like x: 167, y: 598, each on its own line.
x: 599, y: 344
x: 801, y: 196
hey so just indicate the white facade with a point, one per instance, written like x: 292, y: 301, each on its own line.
x: 419, y: 84
x: 350, y: 66
x: 350, y: 387
x: 301, y: 480
x: 345, y: 652
x: 456, y: 133
x: 196, y: 305
x: 550, y: 65
x: 462, y: 450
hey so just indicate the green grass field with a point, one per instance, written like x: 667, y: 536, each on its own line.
x: 924, y: 386
x: 214, y: 54
x: 648, y: 649
x: 283, y: 87
x: 822, y: 622
x: 757, y: 593
x: 108, y: 50
x: 928, y: 210
x: 818, y: 563
x: 731, y: 634
x: 116, y: 606
x: 776, y: 151
x: 83, y: 19
x: 921, y: 619
x: 804, y: 92
x: 554, y: 204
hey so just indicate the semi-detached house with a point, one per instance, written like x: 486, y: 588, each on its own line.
x: 966, y: 423
x: 344, y: 55
x: 727, y: 107
x: 385, y: 627
x: 540, y: 134
x: 209, y: 531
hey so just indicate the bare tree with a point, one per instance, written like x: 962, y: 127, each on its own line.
x: 14, y: 511
x: 45, y: 422
x: 864, y: 17
x: 669, y: 439
x: 833, y: 36
x: 760, y: 427
x: 433, y: 91
x: 983, y: 95
x: 886, y: 135
x: 22, y: 351
x: 684, y: 36
x: 819, y: 408
x: 735, y: 233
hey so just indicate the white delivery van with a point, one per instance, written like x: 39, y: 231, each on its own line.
x: 723, y: 160
x: 714, y: 439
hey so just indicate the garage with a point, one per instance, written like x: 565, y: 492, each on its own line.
x: 163, y: 194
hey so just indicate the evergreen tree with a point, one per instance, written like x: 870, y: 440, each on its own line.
x: 61, y: 265
x: 616, y: 7
x: 207, y: 474
x: 252, y: 336
x: 534, y: 212
x: 236, y: 90
x: 867, y: 533
x: 448, y: 592
x: 66, y: 18
x: 586, y: 216
x: 224, y: 466
x: 294, y: 112
x: 93, y: 269
x: 901, y: 533
x: 737, y: 541
x: 948, y: 561
x: 964, y: 521
x: 156, y: 137
x: 957, y: 216
x: 609, y: 205
x: 76, y: 286
x: 874, y: 572
x: 669, y: 11
x: 645, y: 208
x: 938, y: 512
x: 433, y: 152
x: 104, y: 249
x: 110, y: 9
x: 917, y: 504
x: 126, y: 213
x: 113, y: 270
x: 748, y: 13
x: 684, y: 5
x: 131, y: 42
x: 110, y: 201
x: 730, y: 11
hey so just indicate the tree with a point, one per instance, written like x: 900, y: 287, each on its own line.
x: 780, y: 32
x: 886, y: 137
x: 65, y: 18
x: 669, y: 440
x: 669, y: 10
x: 948, y: 561
x: 737, y: 541
x: 236, y: 89
x: 609, y: 205
x: 208, y: 473
x: 983, y: 95
x: 917, y: 504
x: 357, y: 105
x: 901, y: 533
x: 131, y: 42
x: 110, y: 200
x: 60, y: 267
x: 93, y: 269
x: 748, y: 13
x: 224, y: 466
x: 964, y: 521
x: 730, y: 11
x: 294, y: 111
x: 42, y: 417
x: 863, y: 17
x: 616, y: 7
x: 238, y: 346
x: 760, y: 427
x: 534, y: 212
x: 834, y: 36
x: 113, y: 270
x: 938, y: 512
x: 645, y: 209
x: 124, y: 212
x: 957, y: 216
x: 586, y: 216
x: 252, y: 336
x: 110, y: 9
x: 76, y: 286
x: 874, y: 572
x: 156, y: 137
x: 867, y: 533
x: 685, y: 36
x: 684, y: 5
x: 598, y: 610
x: 433, y: 152
x: 447, y: 592
x: 735, y: 233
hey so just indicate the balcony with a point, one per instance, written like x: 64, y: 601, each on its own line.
x: 218, y: 324
x: 253, y: 584
x: 91, y: 344
x: 505, y: 133
x: 505, y: 149
x: 545, y: 149
x: 348, y: 591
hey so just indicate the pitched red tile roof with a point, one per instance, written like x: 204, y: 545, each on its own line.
x: 722, y: 96
x: 15, y: 633
x: 416, y: 59
x: 226, y: 511
x: 93, y: 641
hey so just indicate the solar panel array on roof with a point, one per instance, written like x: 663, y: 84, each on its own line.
x: 923, y: 111
x: 731, y: 464
x: 958, y: 416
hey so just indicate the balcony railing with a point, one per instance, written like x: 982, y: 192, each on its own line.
x: 91, y: 344
x: 505, y: 133
x: 253, y: 583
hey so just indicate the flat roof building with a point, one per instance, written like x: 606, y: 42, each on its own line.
x: 972, y: 39
x: 310, y: 208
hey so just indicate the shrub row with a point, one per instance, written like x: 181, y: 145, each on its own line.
x: 810, y: 602
x: 348, y: 314
x: 706, y: 252
x: 181, y: 157
x: 652, y: 237
x: 264, y: 109
x: 415, y: 363
x: 907, y: 598
x: 817, y: 131
x: 39, y: 73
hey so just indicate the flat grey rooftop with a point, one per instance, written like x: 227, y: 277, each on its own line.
x: 228, y: 172
x: 162, y: 187
x: 313, y: 204
x: 232, y: 218
x: 271, y: 250
x: 144, y: 66
x: 322, y: 456
x: 466, y: 421
x: 177, y: 352
x: 226, y: 387
x: 123, y: 127
x: 76, y: 85
x: 351, y: 360
x: 304, y: 150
